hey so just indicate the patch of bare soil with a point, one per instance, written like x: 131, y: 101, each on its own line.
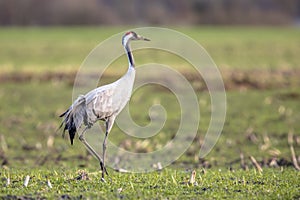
x: 233, y: 79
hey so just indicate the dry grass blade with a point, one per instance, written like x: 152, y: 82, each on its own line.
x: 158, y: 166
x: 250, y: 135
x: 119, y: 190
x: 267, y: 142
x: 273, y: 163
x: 255, y: 163
x: 4, y: 146
x: 26, y: 181
x: 294, y: 158
x: 243, y: 165
x: 49, y: 183
x: 122, y: 170
x: 50, y: 141
x: 192, y: 180
x: 7, y: 181
x: 290, y: 138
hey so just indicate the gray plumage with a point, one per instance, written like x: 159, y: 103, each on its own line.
x: 103, y: 103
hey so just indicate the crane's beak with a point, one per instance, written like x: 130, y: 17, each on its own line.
x: 142, y: 38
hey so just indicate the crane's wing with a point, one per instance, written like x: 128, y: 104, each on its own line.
x: 101, y: 102
x: 87, y: 109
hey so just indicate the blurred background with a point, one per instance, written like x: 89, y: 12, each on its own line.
x: 157, y: 12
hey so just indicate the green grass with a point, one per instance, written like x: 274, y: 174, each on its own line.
x: 257, y: 124
x: 63, y: 49
x: 31, y: 122
x: 169, y: 183
x: 250, y: 47
x: 27, y: 127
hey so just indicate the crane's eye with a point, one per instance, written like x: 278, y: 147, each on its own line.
x: 134, y: 34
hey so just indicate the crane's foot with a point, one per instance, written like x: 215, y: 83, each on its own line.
x: 103, y: 180
x: 104, y: 172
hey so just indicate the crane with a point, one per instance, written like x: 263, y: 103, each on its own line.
x: 103, y: 103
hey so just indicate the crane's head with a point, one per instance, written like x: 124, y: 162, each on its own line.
x: 132, y: 36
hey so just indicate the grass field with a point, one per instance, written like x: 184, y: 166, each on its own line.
x: 260, y: 67
x: 38, y: 49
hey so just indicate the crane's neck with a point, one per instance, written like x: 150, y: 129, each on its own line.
x: 129, y: 55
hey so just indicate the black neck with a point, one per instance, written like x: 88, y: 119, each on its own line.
x: 130, y: 56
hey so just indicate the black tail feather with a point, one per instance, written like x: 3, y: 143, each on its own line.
x: 63, y: 114
x: 74, y: 117
x: 71, y: 129
x: 69, y: 126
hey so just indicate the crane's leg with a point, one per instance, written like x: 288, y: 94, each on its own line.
x: 92, y: 151
x: 108, y: 124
